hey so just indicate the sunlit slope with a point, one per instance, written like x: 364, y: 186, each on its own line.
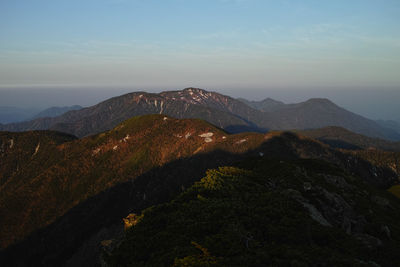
x: 50, y: 179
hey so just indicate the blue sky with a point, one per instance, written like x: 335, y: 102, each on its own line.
x: 205, y: 43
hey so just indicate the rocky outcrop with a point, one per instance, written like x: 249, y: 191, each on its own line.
x: 336, y: 207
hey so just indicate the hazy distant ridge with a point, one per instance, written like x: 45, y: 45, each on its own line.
x: 55, y: 111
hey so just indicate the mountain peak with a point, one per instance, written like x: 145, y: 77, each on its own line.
x: 266, y: 105
x: 196, y: 96
x: 271, y: 100
x: 194, y: 89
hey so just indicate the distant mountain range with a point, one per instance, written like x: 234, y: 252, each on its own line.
x: 55, y: 111
x: 15, y: 114
x: 317, y: 113
x: 61, y: 197
x: 223, y: 111
x: 267, y: 105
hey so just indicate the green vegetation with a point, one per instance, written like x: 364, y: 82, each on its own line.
x: 248, y: 216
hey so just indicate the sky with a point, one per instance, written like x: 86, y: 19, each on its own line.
x: 234, y: 46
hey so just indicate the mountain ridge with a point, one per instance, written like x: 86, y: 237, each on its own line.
x: 223, y: 111
x: 322, y: 112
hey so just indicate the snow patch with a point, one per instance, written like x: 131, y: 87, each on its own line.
x: 165, y: 118
x: 178, y: 135
x: 162, y: 107
x: 241, y: 141
x: 223, y: 137
x: 198, y: 150
x: 115, y: 147
x: 96, y: 151
x: 187, y: 135
x: 126, y: 138
x: 11, y: 143
x: 36, y: 149
x: 205, y: 135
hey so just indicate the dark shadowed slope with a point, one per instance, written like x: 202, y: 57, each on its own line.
x: 267, y: 213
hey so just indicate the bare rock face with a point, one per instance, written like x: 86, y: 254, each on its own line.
x: 314, y: 212
x: 338, y: 181
x: 383, y: 202
x: 370, y: 241
x: 336, y: 208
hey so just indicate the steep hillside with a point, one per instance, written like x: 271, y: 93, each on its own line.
x: 267, y: 213
x: 223, y: 111
x: 341, y: 138
x: 83, y: 168
x: 19, y: 152
x: 65, y: 208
